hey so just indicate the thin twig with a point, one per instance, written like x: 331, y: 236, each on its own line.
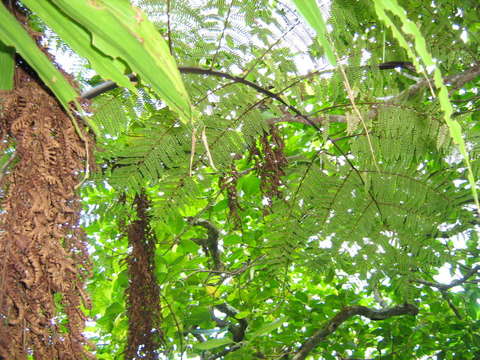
x: 222, y: 35
x: 169, y: 30
x: 450, y: 304
x: 345, y: 314
x: 177, y: 324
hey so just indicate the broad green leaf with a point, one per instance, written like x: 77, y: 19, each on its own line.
x: 268, y: 328
x: 189, y: 246
x: 232, y: 239
x: 211, y: 344
x: 302, y: 297
x: 200, y: 315
x: 242, y: 314
x: 114, y: 309
x: 330, y: 275
x: 311, y: 12
x: 79, y: 39
x: 7, y: 66
x: 120, y: 32
x: 250, y: 184
x: 14, y: 35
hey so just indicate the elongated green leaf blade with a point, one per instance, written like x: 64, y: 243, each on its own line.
x: 7, y: 66
x: 311, y: 12
x: 410, y: 28
x: 268, y: 328
x: 120, y: 31
x: 211, y: 344
x: 80, y: 41
x: 13, y: 34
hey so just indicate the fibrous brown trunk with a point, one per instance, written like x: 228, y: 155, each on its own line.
x: 43, y: 257
x: 143, y: 292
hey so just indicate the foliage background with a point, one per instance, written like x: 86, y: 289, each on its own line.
x: 319, y: 189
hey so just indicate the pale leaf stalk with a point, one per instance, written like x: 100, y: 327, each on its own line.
x: 207, y: 149
x: 351, y: 96
x: 192, y: 153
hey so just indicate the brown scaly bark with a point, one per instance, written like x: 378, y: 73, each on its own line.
x: 43, y: 257
x: 143, y: 293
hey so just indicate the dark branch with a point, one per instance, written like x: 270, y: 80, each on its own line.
x: 299, y: 116
x: 407, y: 65
x: 454, y: 81
x: 319, y: 120
x: 238, y: 331
x: 450, y: 304
x: 458, y: 80
x: 345, y: 314
x: 110, y: 85
x: 444, y: 287
x: 210, y: 244
x: 225, y: 351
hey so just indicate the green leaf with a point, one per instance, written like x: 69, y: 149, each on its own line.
x: 250, y: 184
x: 410, y: 28
x: 268, y: 328
x: 472, y: 309
x: 311, y: 12
x: 200, y: 315
x: 113, y: 310
x: 242, y: 315
x: 189, y: 246
x: 232, y: 239
x: 330, y: 275
x: 122, y: 281
x: 211, y: 344
x: 14, y: 35
x: 302, y: 297
x: 119, y: 32
x: 7, y: 66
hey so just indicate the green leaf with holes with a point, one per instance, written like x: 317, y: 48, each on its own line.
x: 122, y: 38
x: 13, y: 35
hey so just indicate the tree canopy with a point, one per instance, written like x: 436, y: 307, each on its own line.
x: 227, y: 179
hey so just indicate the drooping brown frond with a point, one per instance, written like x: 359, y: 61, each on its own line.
x: 270, y: 162
x: 229, y: 184
x: 43, y: 257
x: 143, y: 292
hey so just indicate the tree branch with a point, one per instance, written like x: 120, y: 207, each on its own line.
x: 319, y: 120
x: 458, y: 80
x: 455, y: 81
x: 454, y: 283
x: 210, y: 244
x: 345, y: 314
x: 237, y: 331
x: 110, y: 85
x: 450, y: 304
x: 225, y: 351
